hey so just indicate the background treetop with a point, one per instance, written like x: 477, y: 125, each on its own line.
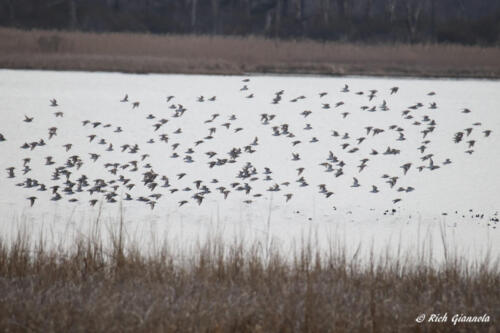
x: 456, y: 21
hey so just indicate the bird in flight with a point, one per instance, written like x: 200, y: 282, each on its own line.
x: 32, y: 200
x: 355, y: 183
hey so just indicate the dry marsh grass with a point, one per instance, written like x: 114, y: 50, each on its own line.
x: 147, y: 53
x: 220, y: 287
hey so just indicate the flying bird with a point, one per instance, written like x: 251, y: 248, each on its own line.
x: 32, y: 200
x: 355, y: 183
x: 406, y: 167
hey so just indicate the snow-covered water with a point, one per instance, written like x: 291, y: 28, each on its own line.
x: 460, y: 198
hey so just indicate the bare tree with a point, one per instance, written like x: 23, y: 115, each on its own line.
x: 268, y: 21
x: 325, y: 9
x: 215, y: 15
x: 278, y: 12
x: 433, y: 18
x: 194, y: 5
x: 390, y: 9
x: 298, y: 9
x: 368, y: 9
x: 413, y: 11
x: 299, y: 13
x: 73, y: 21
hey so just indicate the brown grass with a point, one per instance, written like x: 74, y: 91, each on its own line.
x: 91, y: 287
x: 145, y: 53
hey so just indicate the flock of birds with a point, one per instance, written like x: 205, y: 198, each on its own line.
x: 67, y: 183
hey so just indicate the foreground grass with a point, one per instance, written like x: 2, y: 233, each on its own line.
x: 146, y: 53
x: 234, y: 287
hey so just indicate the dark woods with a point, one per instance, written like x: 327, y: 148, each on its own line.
x: 456, y: 21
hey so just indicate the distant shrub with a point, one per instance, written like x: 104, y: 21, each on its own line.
x: 52, y: 43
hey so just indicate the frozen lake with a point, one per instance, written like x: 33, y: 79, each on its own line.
x: 255, y: 163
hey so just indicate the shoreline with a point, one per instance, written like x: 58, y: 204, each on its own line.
x: 269, y: 74
x: 7, y: 65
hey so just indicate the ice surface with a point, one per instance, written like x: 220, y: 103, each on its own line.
x: 460, y: 198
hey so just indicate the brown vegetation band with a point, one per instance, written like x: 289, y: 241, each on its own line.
x: 146, y: 53
x: 233, y: 288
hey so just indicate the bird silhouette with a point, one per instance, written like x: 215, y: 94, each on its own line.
x: 32, y: 200
x: 355, y: 182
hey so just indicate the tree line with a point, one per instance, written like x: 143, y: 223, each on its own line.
x: 410, y: 21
